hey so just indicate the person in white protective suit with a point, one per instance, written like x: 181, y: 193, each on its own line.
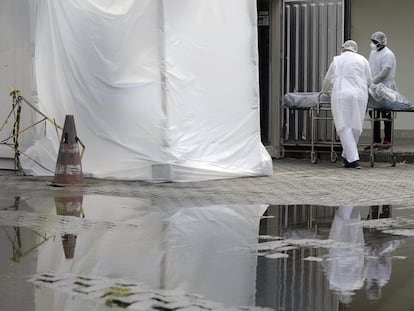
x: 383, y: 69
x: 348, y: 77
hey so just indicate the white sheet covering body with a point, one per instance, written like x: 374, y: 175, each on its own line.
x: 151, y: 83
x: 304, y: 100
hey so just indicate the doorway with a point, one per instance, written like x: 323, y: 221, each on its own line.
x: 264, y: 39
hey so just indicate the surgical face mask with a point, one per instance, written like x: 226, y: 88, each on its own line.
x: 373, y: 46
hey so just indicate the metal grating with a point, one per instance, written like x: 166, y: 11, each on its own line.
x: 313, y: 34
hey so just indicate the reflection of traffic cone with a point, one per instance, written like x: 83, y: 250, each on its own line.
x: 69, y: 244
x: 68, y: 166
x: 69, y: 206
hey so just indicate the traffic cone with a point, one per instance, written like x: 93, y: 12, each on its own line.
x: 68, y: 166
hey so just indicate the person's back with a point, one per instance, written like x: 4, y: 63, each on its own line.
x: 352, y: 74
x: 348, y: 77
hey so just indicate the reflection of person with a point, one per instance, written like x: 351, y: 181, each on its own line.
x: 376, y: 212
x: 378, y: 251
x: 348, y: 77
x: 383, y: 68
x: 366, y: 260
x: 379, y: 263
x: 345, y: 267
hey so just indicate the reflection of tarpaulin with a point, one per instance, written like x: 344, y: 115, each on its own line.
x: 208, y: 252
x: 204, y: 250
x: 69, y: 206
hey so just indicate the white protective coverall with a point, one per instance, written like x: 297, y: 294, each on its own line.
x: 383, y: 67
x: 348, y: 77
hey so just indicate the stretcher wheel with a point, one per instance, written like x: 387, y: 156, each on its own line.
x: 371, y: 160
x: 393, y: 160
x: 334, y: 157
x: 314, y: 157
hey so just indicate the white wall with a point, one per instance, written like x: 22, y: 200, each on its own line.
x: 16, y: 69
x: 396, y: 20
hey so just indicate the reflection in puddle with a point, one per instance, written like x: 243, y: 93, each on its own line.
x: 69, y: 206
x: 127, y: 294
x: 100, y: 251
x: 185, y: 251
x: 340, y: 255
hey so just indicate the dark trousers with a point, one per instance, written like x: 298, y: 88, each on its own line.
x: 377, y: 126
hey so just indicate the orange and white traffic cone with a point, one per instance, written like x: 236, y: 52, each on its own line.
x: 68, y: 166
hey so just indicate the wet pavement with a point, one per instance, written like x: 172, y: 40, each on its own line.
x: 310, y: 237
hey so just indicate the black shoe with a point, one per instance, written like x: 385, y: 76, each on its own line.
x: 354, y: 164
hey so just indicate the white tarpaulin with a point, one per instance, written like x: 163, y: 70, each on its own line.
x: 160, y: 90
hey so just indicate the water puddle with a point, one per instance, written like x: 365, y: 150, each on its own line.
x: 107, y: 252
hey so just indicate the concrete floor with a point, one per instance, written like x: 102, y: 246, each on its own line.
x: 294, y: 181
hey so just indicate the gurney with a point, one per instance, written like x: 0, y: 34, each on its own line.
x: 318, y: 105
x: 381, y: 99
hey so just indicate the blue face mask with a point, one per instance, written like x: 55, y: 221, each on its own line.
x: 373, y: 46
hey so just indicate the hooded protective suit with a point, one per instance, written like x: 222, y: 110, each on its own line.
x: 348, y: 77
x: 382, y: 61
x: 383, y: 67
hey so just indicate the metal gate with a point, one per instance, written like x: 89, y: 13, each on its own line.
x: 313, y: 34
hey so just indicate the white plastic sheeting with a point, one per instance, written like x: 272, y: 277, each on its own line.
x: 160, y: 90
x: 384, y: 97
